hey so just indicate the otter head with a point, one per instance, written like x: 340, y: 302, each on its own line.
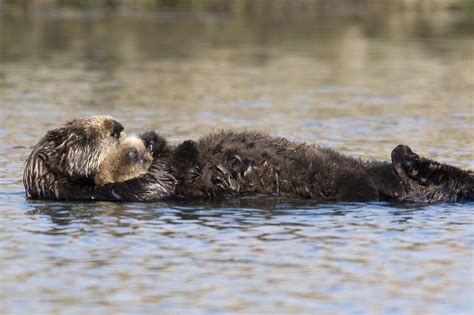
x: 70, y: 153
x: 128, y: 160
x: 77, y: 148
x: 431, y: 181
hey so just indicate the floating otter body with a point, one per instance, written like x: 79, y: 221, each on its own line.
x: 250, y: 164
x: 244, y: 164
x: 128, y: 160
x: 65, y: 163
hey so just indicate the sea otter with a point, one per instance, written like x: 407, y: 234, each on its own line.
x: 230, y: 164
x: 63, y: 164
x: 250, y: 164
x: 128, y: 160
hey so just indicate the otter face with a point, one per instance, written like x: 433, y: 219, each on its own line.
x: 431, y: 181
x: 130, y: 159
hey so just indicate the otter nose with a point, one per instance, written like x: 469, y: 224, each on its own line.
x: 116, y: 129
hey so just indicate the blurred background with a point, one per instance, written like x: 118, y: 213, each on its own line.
x: 361, y: 76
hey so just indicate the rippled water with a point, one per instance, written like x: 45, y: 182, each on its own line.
x: 361, y: 84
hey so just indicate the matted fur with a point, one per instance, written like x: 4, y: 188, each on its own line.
x: 70, y: 153
x: 245, y: 164
x: 63, y: 164
x: 233, y: 164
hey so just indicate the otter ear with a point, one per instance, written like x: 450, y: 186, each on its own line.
x: 117, y: 128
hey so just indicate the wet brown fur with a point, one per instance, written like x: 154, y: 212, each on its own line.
x: 240, y: 164
x: 64, y: 162
x: 232, y: 164
x: 70, y: 153
x: 128, y: 160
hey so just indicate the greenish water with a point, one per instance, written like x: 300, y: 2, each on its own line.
x: 359, y: 83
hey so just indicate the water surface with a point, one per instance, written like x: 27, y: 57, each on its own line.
x: 361, y: 84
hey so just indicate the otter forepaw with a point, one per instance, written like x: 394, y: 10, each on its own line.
x: 186, y: 153
x: 153, y: 142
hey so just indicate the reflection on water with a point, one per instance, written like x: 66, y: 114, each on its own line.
x: 222, y: 258
x: 362, y: 84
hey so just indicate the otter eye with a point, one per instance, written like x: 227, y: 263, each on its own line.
x: 117, y: 128
x: 133, y: 155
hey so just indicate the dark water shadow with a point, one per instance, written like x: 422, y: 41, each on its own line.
x: 65, y: 213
